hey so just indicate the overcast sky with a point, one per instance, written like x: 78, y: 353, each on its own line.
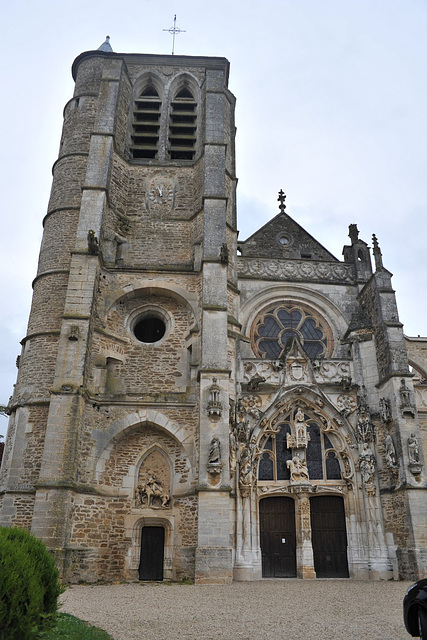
x: 331, y: 107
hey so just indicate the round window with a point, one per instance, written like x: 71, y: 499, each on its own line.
x: 149, y: 329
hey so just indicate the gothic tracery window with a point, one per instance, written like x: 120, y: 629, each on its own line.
x: 273, y: 328
x: 321, y: 458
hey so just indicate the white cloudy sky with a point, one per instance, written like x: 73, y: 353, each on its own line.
x: 331, y: 107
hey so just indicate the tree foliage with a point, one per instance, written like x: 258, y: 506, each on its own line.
x: 29, y: 586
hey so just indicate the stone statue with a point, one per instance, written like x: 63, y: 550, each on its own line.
x: 302, y: 436
x: 390, y: 452
x: 223, y: 254
x: 215, y: 451
x: 405, y: 396
x: 233, y: 450
x: 413, y: 450
x: 246, y: 469
x: 92, y: 243
x: 367, y: 464
x: 298, y: 470
x: 385, y: 410
x: 365, y: 428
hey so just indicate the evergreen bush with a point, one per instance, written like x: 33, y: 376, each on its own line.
x: 29, y: 586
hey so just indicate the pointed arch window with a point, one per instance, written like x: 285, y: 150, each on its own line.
x: 321, y: 458
x: 182, y: 126
x: 146, y: 124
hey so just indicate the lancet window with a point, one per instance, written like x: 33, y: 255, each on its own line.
x: 146, y: 124
x: 182, y: 128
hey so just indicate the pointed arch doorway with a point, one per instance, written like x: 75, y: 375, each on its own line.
x: 278, y: 537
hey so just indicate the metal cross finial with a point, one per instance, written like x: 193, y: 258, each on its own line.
x: 281, y: 199
x: 173, y: 31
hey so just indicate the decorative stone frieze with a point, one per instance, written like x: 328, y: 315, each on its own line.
x: 325, y: 371
x: 300, y: 270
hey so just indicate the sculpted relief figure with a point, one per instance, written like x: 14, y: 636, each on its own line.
x: 151, y: 494
x: 298, y: 470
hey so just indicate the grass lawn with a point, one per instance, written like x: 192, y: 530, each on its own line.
x: 71, y: 628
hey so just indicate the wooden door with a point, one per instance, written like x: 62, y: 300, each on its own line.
x: 278, y: 540
x: 329, y: 537
x: 152, y: 553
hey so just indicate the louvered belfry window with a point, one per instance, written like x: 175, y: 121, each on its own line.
x: 146, y: 124
x: 182, y: 126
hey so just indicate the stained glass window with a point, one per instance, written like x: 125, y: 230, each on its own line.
x: 322, y: 461
x: 273, y: 328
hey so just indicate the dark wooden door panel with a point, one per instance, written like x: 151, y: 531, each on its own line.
x: 329, y: 536
x: 152, y: 553
x: 278, y: 539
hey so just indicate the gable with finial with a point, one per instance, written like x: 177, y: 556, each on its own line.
x: 282, y: 237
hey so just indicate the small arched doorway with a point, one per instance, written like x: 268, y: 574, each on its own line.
x: 329, y: 536
x: 278, y: 539
x: 152, y: 553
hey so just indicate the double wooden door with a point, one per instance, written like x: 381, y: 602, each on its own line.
x: 278, y: 539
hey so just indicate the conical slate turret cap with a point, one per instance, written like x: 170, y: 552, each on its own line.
x: 106, y: 46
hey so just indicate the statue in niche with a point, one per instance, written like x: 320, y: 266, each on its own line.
x: 298, y: 470
x: 405, y: 395
x: 413, y: 450
x: 301, y: 433
x: 390, y: 452
x: 151, y: 494
x: 385, y: 410
x: 223, y: 254
x: 215, y: 452
x: 367, y: 467
x: 365, y: 428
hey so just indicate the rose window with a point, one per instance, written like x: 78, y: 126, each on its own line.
x: 274, y: 327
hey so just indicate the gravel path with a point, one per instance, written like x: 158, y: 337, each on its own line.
x: 264, y: 610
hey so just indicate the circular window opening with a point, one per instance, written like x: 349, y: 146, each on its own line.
x: 285, y: 239
x: 149, y: 329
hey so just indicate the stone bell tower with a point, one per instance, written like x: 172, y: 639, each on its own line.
x: 119, y: 419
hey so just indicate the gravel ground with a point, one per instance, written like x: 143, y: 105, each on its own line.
x: 264, y: 610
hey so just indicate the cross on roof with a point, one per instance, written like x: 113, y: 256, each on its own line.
x: 281, y: 199
x: 173, y: 31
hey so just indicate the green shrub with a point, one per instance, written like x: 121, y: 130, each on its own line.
x: 29, y: 586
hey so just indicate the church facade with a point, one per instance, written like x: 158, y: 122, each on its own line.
x: 189, y: 405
